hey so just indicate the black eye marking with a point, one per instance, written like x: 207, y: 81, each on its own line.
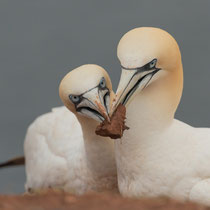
x: 102, y: 83
x: 147, y: 67
x: 151, y: 65
x: 75, y: 98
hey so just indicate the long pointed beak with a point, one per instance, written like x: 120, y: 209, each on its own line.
x: 94, y: 105
x: 130, y: 81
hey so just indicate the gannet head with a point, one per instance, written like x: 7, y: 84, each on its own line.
x: 146, y: 54
x: 87, y: 90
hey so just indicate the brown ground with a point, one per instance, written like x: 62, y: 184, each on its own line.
x: 93, y: 201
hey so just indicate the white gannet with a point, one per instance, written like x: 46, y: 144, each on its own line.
x: 158, y: 155
x: 61, y: 147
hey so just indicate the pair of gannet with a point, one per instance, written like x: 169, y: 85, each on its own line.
x: 61, y: 147
x: 158, y: 155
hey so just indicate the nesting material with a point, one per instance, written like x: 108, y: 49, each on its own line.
x: 115, y: 128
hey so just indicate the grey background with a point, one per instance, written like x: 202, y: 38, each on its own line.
x: 40, y: 41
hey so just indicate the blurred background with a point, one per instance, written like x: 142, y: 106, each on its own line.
x: 42, y: 40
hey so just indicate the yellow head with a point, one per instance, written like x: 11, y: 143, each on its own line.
x: 87, y: 90
x: 148, y: 55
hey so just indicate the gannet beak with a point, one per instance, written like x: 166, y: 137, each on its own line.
x: 130, y: 81
x: 95, y: 104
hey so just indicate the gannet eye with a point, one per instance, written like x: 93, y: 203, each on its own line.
x: 102, y: 83
x: 74, y: 98
x: 152, y: 63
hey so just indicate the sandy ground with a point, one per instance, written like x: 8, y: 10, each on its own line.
x: 93, y: 201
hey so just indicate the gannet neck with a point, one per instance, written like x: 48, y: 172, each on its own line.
x: 161, y: 98
x: 97, y: 149
x: 154, y: 107
x: 88, y: 126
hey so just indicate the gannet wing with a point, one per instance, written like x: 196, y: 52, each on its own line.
x: 47, y: 149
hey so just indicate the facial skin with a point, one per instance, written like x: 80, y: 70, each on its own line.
x: 146, y: 55
x: 138, y: 78
x: 87, y: 91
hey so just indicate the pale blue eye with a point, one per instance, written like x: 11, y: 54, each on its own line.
x: 74, y: 98
x: 152, y: 63
x: 102, y: 83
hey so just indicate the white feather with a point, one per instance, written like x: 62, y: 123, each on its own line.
x: 57, y: 155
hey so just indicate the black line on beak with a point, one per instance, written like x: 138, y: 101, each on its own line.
x: 95, y: 112
x: 133, y: 89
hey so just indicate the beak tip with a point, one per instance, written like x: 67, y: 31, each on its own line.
x: 103, y: 111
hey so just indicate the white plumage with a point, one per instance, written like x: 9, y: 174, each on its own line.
x: 59, y: 153
x: 158, y: 155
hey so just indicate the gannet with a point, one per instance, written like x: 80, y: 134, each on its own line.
x: 158, y: 155
x: 61, y: 147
